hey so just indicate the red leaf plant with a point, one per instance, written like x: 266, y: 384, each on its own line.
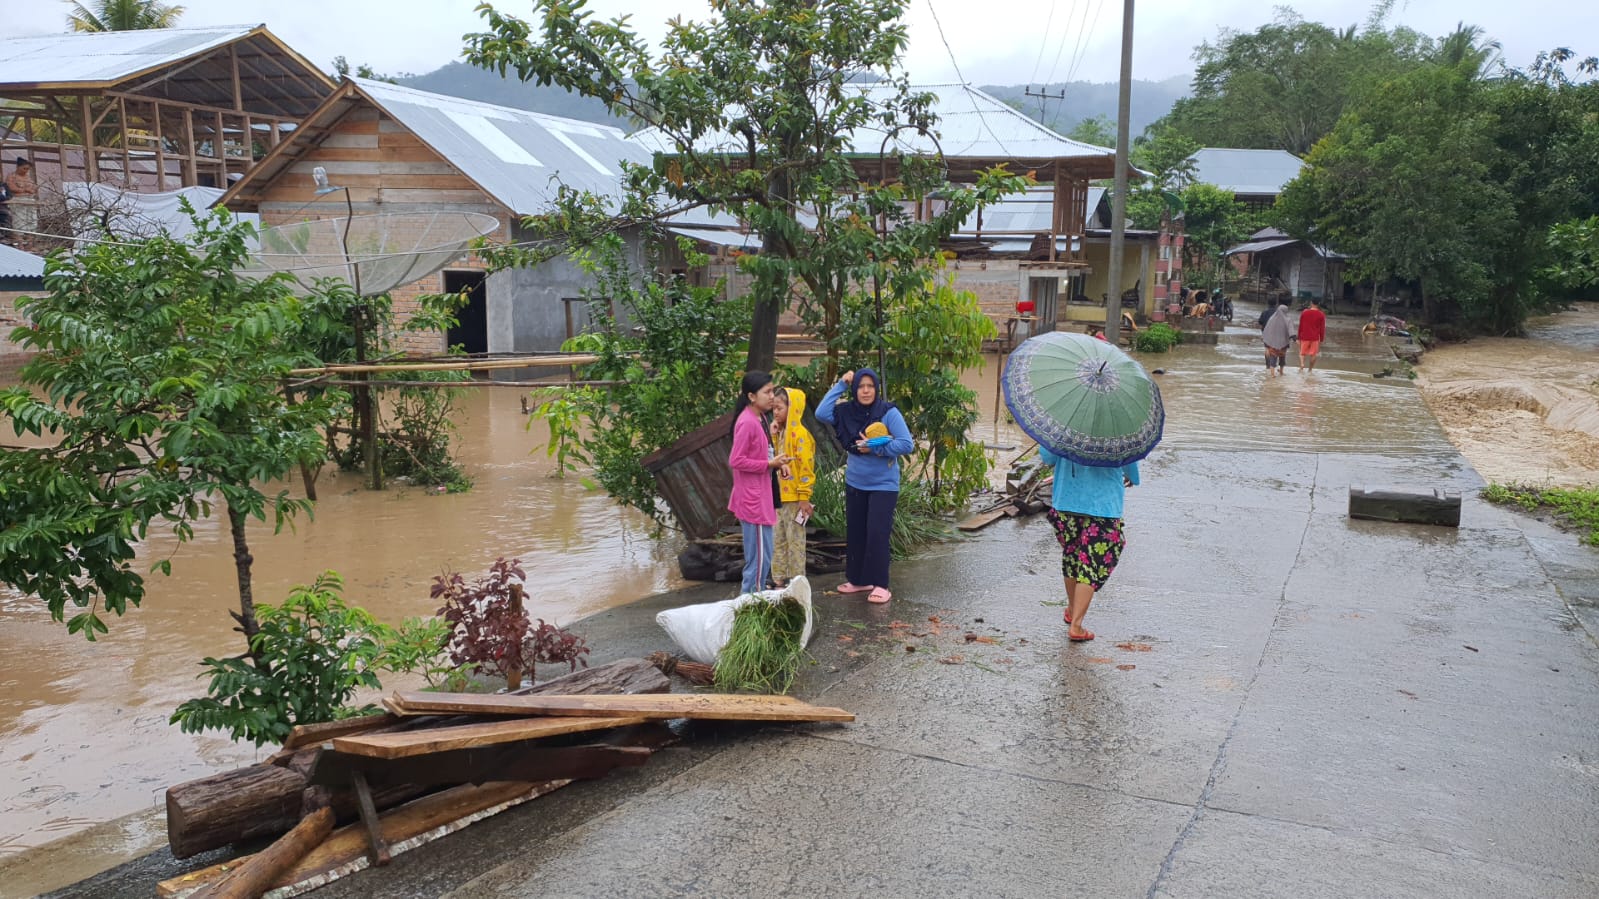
x: 490, y: 628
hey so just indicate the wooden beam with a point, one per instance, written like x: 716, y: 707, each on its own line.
x: 478, y: 765
x: 191, y: 165
x: 233, y: 67
x: 160, y: 151
x: 91, y: 162
x: 702, y: 706
x: 404, y: 744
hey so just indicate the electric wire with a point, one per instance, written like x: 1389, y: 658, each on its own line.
x: 964, y: 86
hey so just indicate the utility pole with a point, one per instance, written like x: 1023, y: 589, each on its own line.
x: 1044, y: 96
x: 1118, y: 205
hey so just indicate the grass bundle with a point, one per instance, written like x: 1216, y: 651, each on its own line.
x: 763, y: 650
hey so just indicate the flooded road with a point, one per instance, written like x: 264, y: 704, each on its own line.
x: 1524, y: 410
x: 83, y: 726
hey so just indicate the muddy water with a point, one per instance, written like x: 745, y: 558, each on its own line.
x: 83, y: 727
x: 1524, y: 410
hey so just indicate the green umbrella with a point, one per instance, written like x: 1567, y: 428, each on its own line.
x: 1084, y: 399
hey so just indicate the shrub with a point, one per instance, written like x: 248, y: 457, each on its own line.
x: 1157, y: 338
x: 491, y: 631
x: 311, y: 655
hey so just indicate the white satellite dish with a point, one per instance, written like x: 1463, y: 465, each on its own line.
x: 373, y: 253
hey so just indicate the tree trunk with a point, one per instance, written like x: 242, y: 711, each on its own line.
x: 267, y: 799
x: 242, y: 560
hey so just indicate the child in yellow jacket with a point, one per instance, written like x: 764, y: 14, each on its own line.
x: 794, y: 481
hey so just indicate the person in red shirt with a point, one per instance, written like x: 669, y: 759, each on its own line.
x: 1312, y: 329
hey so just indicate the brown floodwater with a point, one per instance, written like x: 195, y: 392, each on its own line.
x: 83, y: 726
x: 1524, y: 410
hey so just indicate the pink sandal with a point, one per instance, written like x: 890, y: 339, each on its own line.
x: 880, y: 595
x: 848, y: 587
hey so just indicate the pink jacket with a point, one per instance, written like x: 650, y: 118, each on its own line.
x: 752, y: 480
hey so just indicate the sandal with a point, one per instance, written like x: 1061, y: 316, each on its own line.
x: 848, y: 587
x: 880, y: 595
x: 1066, y: 613
x: 1084, y: 638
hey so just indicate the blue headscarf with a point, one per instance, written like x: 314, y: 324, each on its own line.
x: 850, y: 417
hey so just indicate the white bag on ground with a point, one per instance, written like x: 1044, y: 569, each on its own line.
x: 701, y: 631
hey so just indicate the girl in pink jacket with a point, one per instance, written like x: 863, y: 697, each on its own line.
x: 753, y: 462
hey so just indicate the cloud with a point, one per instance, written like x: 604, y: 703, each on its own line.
x: 1083, y: 35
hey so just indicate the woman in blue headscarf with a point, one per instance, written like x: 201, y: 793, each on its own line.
x: 871, y: 476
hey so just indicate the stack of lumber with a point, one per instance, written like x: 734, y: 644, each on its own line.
x: 1028, y: 488
x: 434, y: 763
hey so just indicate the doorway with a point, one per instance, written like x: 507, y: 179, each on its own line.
x: 471, y: 331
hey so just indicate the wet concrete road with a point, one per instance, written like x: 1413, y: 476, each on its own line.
x: 1281, y: 702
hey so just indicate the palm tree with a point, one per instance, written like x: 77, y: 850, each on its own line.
x: 1466, y: 51
x: 122, y: 15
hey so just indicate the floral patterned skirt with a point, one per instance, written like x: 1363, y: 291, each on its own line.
x: 1089, y: 546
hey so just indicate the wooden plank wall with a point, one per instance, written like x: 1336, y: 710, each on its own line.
x: 388, y: 170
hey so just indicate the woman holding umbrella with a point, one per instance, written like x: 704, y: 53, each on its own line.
x: 1094, y: 412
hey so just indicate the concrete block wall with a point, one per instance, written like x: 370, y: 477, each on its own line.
x: 12, y: 356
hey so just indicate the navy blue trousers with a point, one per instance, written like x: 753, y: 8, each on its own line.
x: 868, y: 519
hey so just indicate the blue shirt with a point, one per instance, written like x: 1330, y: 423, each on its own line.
x: 878, y: 467
x: 1086, y: 490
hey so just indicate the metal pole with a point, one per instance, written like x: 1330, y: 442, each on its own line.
x: 365, y: 408
x: 1118, y: 206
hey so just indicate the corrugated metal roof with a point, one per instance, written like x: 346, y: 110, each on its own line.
x: 971, y: 124
x: 519, y: 158
x: 14, y: 263
x: 106, y: 57
x: 1028, y: 211
x: 1246, y: 171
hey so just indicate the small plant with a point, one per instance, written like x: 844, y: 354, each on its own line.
x: 1157, y: 338
x: 1575, y: 508
x: 418, y: 646
x: 491, y: 630
x: 763, y: 649
x: 311, y: 655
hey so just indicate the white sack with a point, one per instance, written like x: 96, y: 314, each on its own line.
x: 701, y: 631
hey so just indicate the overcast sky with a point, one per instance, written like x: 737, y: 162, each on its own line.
x: 1003, y: 42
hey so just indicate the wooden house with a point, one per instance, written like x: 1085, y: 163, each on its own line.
x: 151, y: 110
x: 1255, y: 177
x: 390, y: 149
x: 1293, y: 268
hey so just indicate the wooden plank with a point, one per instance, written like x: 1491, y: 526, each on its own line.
x: 440, y: 739
x: 307, y: 734
x: 984, y: 519
x: 703, y: 706
x: 404, y: 828
x: 376, y: 845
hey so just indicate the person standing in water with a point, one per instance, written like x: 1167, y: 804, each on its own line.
x: 1312, y: 331
x: 1276, y: 334
x: 871, y: 476
x: 753, y: 463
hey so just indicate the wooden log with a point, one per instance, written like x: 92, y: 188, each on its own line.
x: 257, y: 801
x: 704, y: 706
x: 252, y: 879
x: 268, y: 799
x: 311, y: 734
x: 1440, y: 507
x: 481, y: 764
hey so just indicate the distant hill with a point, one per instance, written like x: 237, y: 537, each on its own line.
x: 1087, y: 99
x: 1084, y: 99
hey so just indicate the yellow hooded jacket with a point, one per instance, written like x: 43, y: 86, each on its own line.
x: 796, y: 441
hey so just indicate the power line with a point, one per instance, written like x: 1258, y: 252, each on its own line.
x: 1079, y: 56
x: 1043, y: 45
x: 964, y: 87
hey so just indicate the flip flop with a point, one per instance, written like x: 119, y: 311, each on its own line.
x: 1066, y: 614
x: 879, y: 595
x: 1086, y: 636
x: 848, y: 587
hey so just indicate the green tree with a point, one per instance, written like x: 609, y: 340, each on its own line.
x: 1099, y: 131
x: 1167, y: 154
x: 1404, y: 185
x: 1213, y: 221
x: 777, y: 86
x: 122, y: 15
x: 1286, y: 84
x: 157, y: 372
